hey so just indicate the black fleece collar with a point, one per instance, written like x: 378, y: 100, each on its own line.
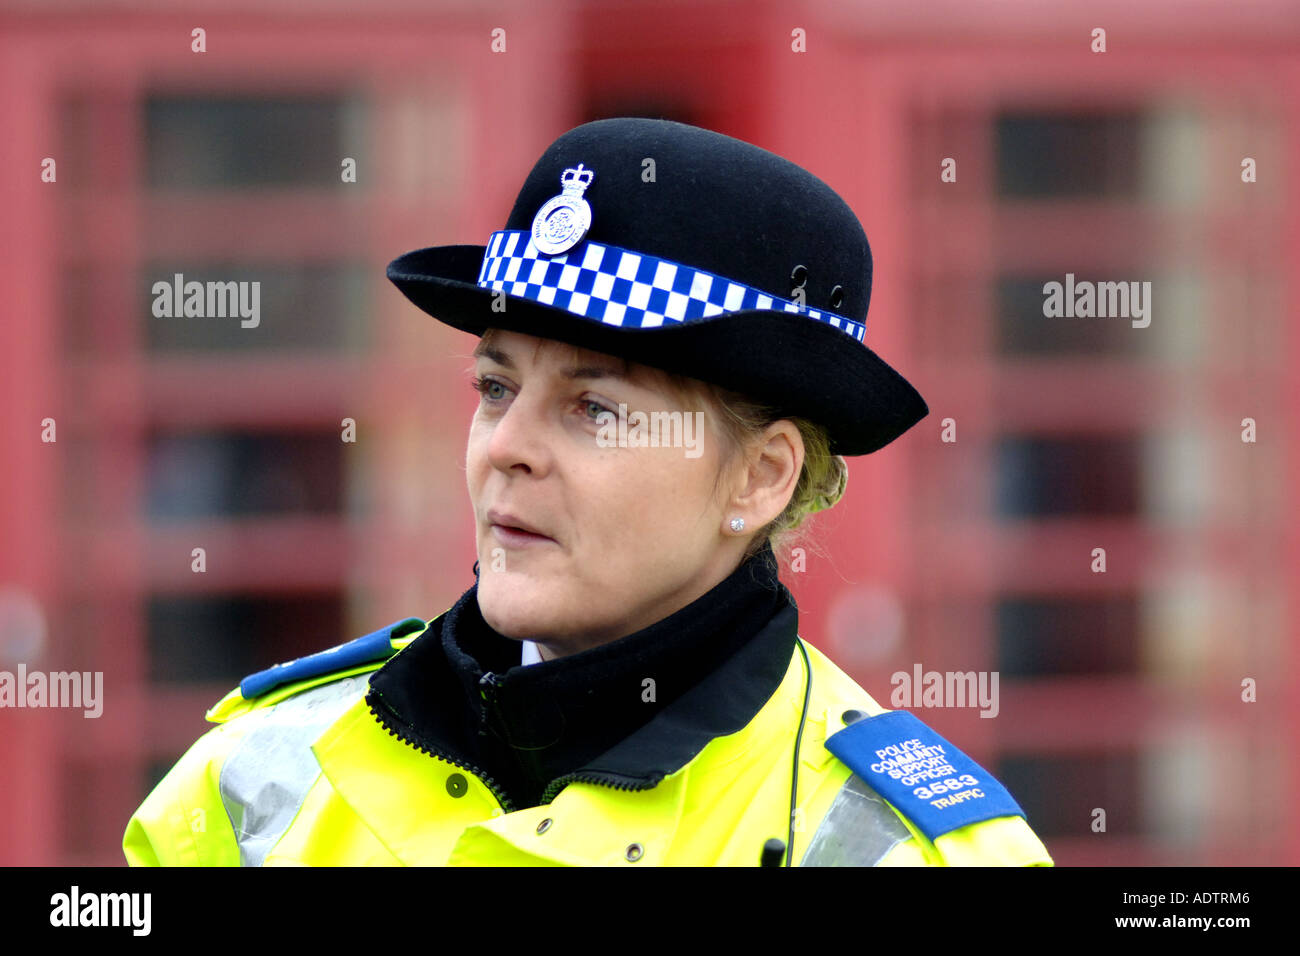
x: 626, y: 713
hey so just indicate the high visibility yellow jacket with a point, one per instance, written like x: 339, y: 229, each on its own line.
x: 300, y: 770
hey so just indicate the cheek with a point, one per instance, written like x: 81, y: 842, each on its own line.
x: 476, y: 452
x: 657, y: 496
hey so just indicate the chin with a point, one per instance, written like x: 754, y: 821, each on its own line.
x: 511, y: 610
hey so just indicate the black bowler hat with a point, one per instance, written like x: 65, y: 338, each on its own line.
x: 689, y: 251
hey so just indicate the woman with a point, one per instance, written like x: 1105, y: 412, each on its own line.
x: 670, y: 370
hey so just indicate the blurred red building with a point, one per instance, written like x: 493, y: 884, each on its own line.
x: 1120, y: 691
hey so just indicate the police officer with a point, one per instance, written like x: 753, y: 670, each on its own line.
x: 671, y: 367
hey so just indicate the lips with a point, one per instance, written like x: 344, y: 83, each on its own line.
x: 510, y: 522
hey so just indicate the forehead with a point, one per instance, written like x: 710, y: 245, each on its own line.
x: 512, y: 348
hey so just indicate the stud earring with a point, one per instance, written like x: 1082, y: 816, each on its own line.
x: 737, y: 525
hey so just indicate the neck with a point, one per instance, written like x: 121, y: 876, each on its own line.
x: 639, y: 618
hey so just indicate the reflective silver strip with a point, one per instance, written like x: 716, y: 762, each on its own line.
x: 859, y: 830
x: 266, y: 778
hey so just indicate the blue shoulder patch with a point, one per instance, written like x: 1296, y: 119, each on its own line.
x: 373, y: 647
x: 930, y: 781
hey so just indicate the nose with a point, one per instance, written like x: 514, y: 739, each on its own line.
x: 521, y: 437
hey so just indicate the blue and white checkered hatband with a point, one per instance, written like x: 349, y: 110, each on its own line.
x: 617, y: 286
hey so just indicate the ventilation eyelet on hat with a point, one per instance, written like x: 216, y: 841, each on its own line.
x: 837, y: 296
x: 799, y: 275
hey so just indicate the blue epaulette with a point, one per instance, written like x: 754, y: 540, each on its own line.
x: 926, y: 778
x: 375, y: 646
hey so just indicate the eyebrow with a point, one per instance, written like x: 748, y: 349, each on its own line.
x: 575, y: 372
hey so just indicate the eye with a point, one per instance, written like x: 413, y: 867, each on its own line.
x: 487, y: 388
x: 593, y: 409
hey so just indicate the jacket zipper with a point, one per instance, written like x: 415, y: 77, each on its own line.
x: 497, y: 794
x: 489, y: 686
x: 615, y: 781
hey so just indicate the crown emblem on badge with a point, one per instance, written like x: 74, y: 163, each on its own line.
x: 563, y: 220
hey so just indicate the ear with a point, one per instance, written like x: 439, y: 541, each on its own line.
x: 774, y: 464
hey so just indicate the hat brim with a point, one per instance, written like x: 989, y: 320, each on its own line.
x: 862, y: 402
